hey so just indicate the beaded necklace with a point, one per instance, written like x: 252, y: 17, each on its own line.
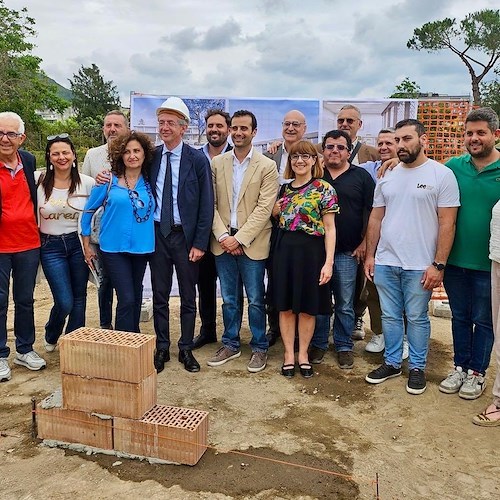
x: 133, y: 194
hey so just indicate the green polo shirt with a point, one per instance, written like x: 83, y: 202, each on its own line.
x: 479, y: 191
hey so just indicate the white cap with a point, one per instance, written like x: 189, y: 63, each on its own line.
x: 175, y: 105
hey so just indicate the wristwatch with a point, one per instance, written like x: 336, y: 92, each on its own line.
x: 439, y: 266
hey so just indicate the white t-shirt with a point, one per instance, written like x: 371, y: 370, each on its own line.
x: 58, y: 215
x: 411, y: 197
x: 495, y: 233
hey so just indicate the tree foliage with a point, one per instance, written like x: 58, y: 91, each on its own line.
x: 490, y: 92
x: 23, y: 86
x: 475, y: 40
x: 92, y: 96
x: 407, y: 89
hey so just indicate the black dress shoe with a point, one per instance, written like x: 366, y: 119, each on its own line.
x: 161, y: 357
x: 288, y: 371
x: 202, y: 339
x: 306, y: 370
x: 190, y: 363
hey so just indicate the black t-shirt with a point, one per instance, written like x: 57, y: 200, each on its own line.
x: 354, y: 189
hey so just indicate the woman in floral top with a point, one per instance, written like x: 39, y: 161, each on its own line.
x: 303, y: 255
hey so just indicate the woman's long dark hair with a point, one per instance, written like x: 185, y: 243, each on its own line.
x: 47, y: 179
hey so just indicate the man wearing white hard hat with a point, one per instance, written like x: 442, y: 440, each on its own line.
x: 181, y: 182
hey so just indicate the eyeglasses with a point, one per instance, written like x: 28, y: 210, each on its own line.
x: 134, y: 195
x: 169, y: 123
x: 10, y: 135
x: 292, y: 124
x: 340, y: 147
x: 350, y: 121
x: 303, y: 157
x: 59, y: 136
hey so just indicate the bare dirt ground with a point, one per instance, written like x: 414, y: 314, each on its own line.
x: 342, y: 429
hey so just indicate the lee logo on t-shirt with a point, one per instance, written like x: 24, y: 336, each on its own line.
x: 424, y: 186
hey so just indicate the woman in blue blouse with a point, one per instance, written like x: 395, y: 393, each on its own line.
x: 126, y: 235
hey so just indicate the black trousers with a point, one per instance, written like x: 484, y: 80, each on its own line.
x: 207, y: 295
x: 169, y: 252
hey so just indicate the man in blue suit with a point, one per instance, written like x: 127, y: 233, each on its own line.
x: 181, y: 182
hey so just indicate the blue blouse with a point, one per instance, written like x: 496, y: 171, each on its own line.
x: 120, y: 231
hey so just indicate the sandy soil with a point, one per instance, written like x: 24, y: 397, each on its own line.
x: 345, y: 431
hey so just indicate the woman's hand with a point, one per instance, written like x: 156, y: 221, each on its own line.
x: 326, y: 273
x: 277, y: 207
x: 88, y: 251
x: 103, y: 177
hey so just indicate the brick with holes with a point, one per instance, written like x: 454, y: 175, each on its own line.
x: 175, y: 434
x: 107, y: 354
x: 71, y: 426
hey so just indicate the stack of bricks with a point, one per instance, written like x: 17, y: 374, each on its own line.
x: 109, y: 400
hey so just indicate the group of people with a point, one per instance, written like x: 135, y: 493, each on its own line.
x: 337, y: 230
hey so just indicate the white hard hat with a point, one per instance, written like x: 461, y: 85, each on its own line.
x: 175, y: 105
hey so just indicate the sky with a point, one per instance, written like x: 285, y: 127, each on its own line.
x: 321, y: 49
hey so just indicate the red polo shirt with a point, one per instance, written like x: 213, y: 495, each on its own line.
x: 18, y: 226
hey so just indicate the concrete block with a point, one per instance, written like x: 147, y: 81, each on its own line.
x: 111, y: 397
x: 107, y: 354
x: 440, y: 308
x: 60, y: 424
x: 165, y: 432
x: 146, y: 310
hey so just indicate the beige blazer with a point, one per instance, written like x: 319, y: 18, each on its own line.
x: 255, y: 203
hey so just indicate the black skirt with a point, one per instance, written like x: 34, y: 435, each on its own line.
x: 297, y: 261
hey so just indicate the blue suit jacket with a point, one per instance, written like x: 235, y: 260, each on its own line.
x: 195, y: 197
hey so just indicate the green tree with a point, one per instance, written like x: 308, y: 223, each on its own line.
x: 407, y: 89
x: 490, y: 92
x: 24, y: 88
x: 475, y: 40
x: 92, y: 96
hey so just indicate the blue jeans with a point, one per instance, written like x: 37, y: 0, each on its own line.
x: 23, y: 266
x: 232, y: 270
x: 401, y: 293
x: 343, y: 285
x: 469, y: 293
x: 67, y: 274
x: 126, y: 271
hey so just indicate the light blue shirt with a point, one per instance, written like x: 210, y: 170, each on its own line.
x: 175, y: 162
x: 204, y: 148
x: 120, y: 232
x: 372, y: 168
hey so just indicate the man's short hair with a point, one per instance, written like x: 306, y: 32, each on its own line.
x: 351, y: 106
x: 119, y: 113
x: 419, y: 126
x: 221, y: 112
x: 388, y: 130
x: 485, y: 114
x: 244, y: 112
x: 10, y: 115
x: 337, y: 134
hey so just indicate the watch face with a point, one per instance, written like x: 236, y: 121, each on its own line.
x: 439, y: 267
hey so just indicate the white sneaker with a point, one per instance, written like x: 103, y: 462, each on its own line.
x: 30, y: 360
x: 406, y: 348
x: 50, y: 347
x: 453, y: 382
x: 376, y: 344
x: 359, y: 331
x: 473, y: 385
x: 5, y: 373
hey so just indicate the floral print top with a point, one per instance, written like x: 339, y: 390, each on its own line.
x: 303, y: 207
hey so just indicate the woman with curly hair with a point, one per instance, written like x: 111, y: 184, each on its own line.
x: 126, y: 236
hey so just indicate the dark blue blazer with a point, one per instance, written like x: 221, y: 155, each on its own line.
x: 195, y: 197
x: 29, y: 167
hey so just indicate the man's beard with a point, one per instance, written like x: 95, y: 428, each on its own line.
x: 409, y: 156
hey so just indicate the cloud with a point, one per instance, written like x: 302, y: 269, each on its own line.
x: 214, y: 38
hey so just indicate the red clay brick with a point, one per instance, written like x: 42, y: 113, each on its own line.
x: 107, y: 354
x: 111, y: 397
x: 166, y: 432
